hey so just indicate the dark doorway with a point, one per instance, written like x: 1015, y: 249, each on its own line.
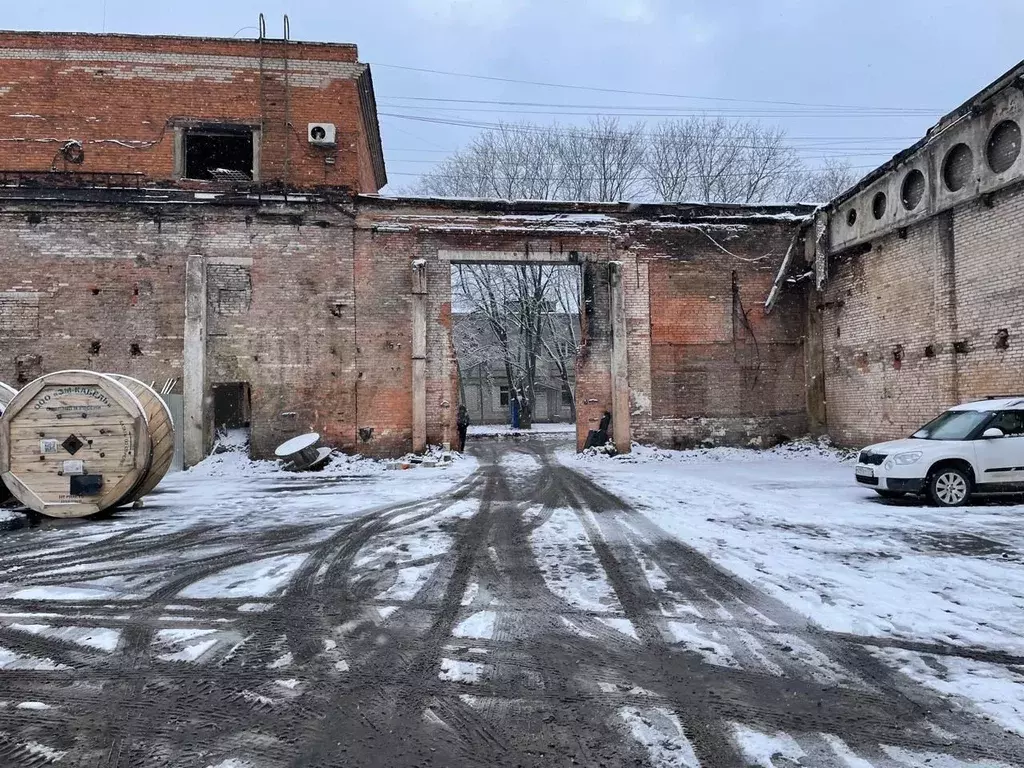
x: 231, y: 406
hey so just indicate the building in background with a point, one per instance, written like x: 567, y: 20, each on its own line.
x: 485, y: 387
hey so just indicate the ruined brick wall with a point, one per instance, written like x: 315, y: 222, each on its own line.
x: 95, y: 288
x: 913, y: 326
x: 310, y: 304
x: 705, y: 363
x: 719, y: 369
x: 102, y: 287
x: 123, y: 97
x: 390, y: 237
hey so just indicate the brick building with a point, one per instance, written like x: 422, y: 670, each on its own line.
x: 917, y: 303
x: 206, y: 210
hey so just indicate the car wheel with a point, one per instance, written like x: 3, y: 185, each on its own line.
x: 949, y: 487
x: 891, y: 494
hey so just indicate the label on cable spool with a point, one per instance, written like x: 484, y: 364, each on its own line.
x: 48, y: 446
x: 72, y: 467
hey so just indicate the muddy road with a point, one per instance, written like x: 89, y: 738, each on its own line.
x: 524, y: 618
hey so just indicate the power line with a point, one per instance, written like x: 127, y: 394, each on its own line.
x: 501, y: 102
x: 745, y: 115
x: 640, y: 93
x: 573, y: 178
x: 486, y: 125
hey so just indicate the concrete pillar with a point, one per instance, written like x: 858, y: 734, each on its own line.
x: 621, y: 432
x: 194, y: 383
x: 419, y: 356
x: 946, y: 324
x: 814, y: 347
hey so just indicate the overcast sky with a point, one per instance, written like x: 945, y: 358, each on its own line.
x: 862, y: 79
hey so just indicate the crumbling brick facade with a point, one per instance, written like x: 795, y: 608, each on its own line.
x: 309, y: 303
x: 130, y: 100
x: 921, y: 266
x: 914, y: 325
x: 163, y: 214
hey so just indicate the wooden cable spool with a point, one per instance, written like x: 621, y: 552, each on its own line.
x: 75, y: 443
x: 7, y: 394
x: 161, y: 433
x: 303, y: 453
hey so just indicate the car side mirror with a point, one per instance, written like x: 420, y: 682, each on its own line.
x: 992, y: 432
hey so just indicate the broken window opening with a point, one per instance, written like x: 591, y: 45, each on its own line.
x: 219, y: 154
x: 231, y: 406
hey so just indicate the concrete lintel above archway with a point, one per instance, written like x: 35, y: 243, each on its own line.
x: 511, y: 257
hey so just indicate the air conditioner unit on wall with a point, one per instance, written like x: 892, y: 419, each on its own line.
x: 322, y: 134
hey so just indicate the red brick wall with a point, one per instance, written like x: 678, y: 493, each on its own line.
x: 313, y: 309
x: 721, y: 370
x: 115, y: 275
x: 121, y: 97
x: 952, y: 278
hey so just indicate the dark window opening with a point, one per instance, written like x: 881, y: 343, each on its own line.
x: 1003, y: 338
x: 231, y: 406
x: 219, y: 155
x: 929, y: 351
x: 503, y: 396
x: 566, y: 397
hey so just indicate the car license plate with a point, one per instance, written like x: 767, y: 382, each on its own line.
x: 864, y: 472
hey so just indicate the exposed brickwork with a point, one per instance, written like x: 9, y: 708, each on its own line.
x: 720, y: 370
x: 311, y: 305
x: 123, y: 97
x: 952, y: 278
x: 110, y: 277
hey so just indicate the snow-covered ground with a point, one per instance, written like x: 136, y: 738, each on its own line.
x: 507, y: 578
x: 793, y: 522
x: 536, y: 429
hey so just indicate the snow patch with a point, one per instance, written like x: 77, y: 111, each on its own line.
x: 454, y: 670
x: 625, y: 626
x: 99, y: 638
x: 409, y: 582
x: 996, y: 691
x: 660, y: 733
x: 479, y: 626
x: 707, y: 643
x: 760, y: 748
x: 569, y: 564
x: 11, y: 660
x: 260, y: 578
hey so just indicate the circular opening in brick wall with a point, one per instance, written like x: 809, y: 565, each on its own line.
x: 958, y: 167
x: 1003, y: 146
x: 878, y: 205
x: 851, y: 217
x: 913, y: 189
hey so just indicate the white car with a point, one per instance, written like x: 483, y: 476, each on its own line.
x: 974, y: 448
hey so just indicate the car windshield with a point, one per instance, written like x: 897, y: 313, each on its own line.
x: 953, y: 425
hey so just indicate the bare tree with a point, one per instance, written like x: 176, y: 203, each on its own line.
x: 520, y: 317
x: 720, y: 161
x: 522, y: 161
x: 819, y: 185
x: 708, y: 160
x: 671, y: 162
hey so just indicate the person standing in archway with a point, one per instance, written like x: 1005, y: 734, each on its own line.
x: 462, y: 422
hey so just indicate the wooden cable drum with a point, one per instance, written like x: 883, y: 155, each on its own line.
x: 74, y: 443
x: 161, y: 433
x: 7, y: 394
